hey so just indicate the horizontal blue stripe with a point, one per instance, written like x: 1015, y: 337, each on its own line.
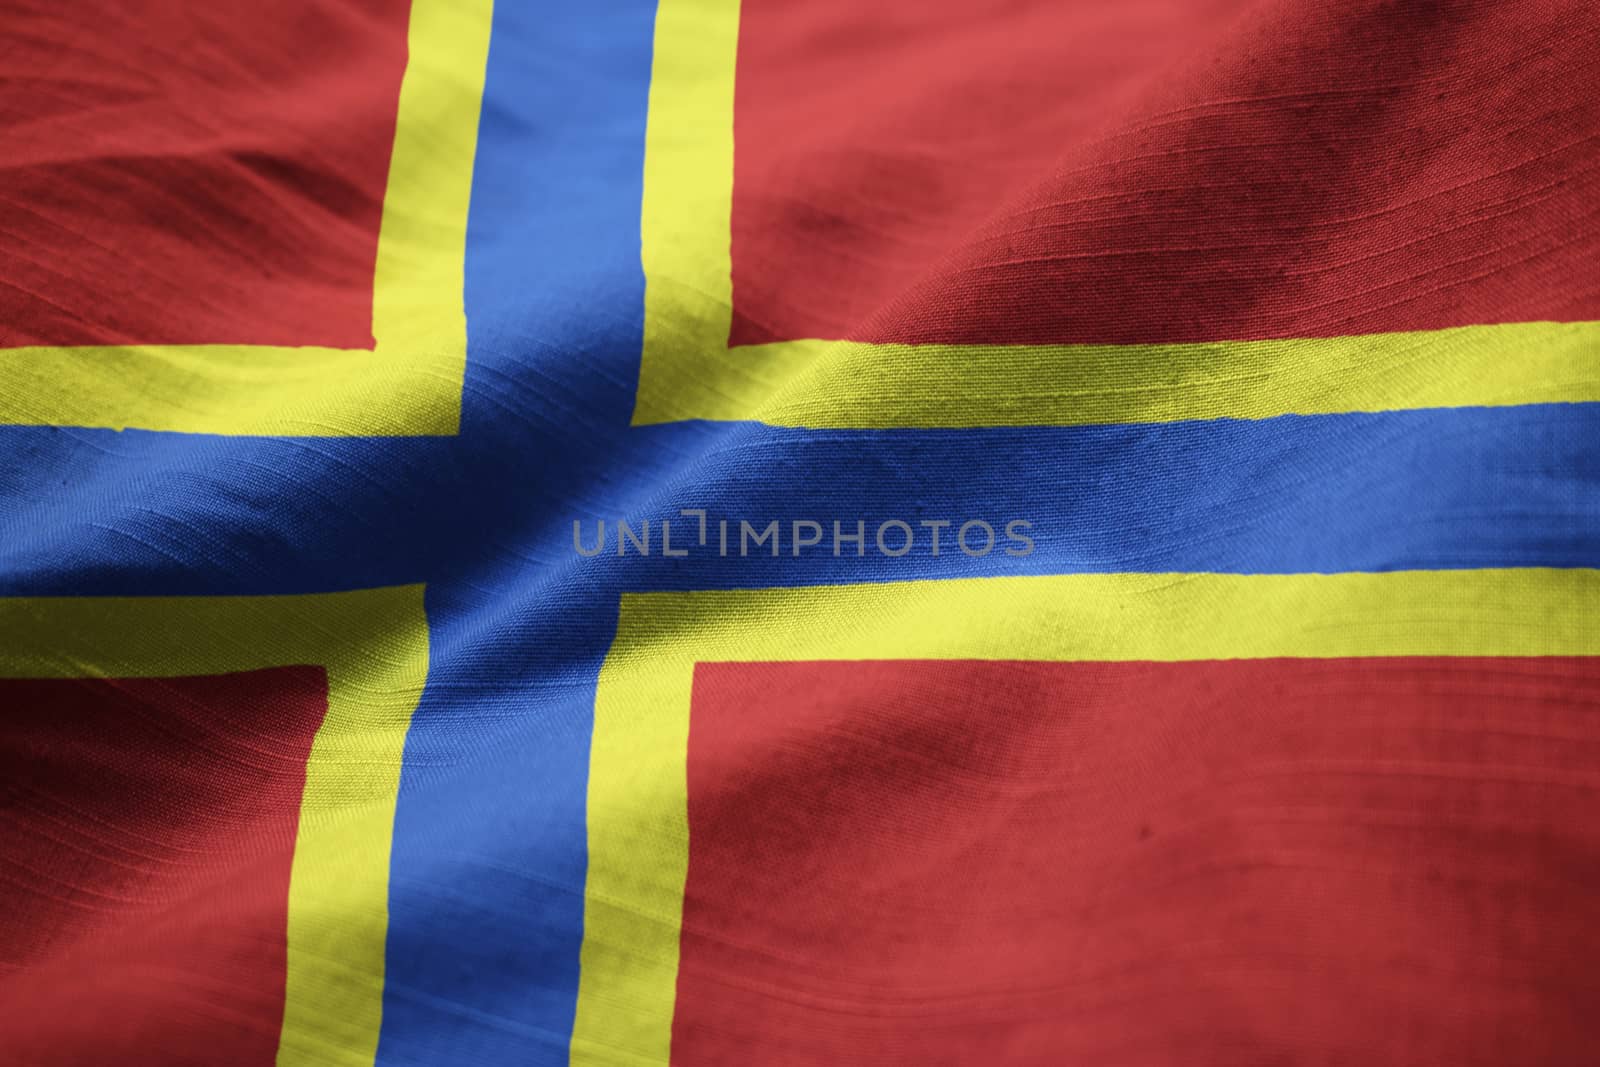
x: 91, y: 511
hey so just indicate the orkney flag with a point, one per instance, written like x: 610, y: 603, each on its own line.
x: 798, y: 533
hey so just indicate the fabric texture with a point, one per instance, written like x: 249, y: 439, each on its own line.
x: 799, y: 532
x: 1136, y: 862
x: 149, y: 829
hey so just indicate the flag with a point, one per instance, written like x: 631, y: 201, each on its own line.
x: 749, y: 531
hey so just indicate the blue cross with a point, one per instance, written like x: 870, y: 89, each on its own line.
x: 486, y: 896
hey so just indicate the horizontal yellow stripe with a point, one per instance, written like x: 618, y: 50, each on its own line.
x: 374, y: 646
x: 1519, y: 612
x: 638, y: 803
x: 236, y: 389
x: 848, y: 384
x: 409, y: 384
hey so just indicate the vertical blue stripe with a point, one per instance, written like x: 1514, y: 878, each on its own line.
x: 486, y: 885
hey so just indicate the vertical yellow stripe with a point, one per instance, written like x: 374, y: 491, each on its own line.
x: 339, y: 885
x: 418, y: 303
x: 687, y: 205
x: 638, y: 857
